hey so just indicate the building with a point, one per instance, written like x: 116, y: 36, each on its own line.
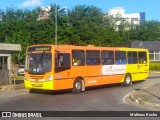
x: 152, y: 46
x: 132, y: 18
x: 5, y: 61
x: 44, y: 14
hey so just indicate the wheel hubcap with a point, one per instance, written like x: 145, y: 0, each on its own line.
x: 78, y: 86
x: 128, y: 80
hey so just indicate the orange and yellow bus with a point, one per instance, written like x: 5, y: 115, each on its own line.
x: 51, y: 67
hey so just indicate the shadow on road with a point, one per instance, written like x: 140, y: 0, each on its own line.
x: 49, y: 92
x: 153, y: 77
x: 69, y: 91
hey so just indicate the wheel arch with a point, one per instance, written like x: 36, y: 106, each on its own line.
x: 130, y: 75
x: 82, y: 80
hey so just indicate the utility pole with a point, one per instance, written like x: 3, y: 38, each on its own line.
x: 55, y: 22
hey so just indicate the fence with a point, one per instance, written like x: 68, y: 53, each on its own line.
x: 4, y: 77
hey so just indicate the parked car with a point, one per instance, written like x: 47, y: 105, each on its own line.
x: 20, y: 70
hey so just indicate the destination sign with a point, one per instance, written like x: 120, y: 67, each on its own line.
x: 39, y: 48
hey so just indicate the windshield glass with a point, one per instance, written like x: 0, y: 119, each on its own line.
x: 39, y: 62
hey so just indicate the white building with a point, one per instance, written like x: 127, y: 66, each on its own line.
x: 132, y: 18
x: 44, y: 12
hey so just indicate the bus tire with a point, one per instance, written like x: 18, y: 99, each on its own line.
x: 77, y: 86
x: 127, y: 80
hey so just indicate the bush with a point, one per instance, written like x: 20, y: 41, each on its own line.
x: 154, y: 66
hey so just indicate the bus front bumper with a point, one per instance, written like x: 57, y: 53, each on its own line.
x: 47, y: 85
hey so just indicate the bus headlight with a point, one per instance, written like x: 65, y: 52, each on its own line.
x: 49, y: 78
x: 25, y: 78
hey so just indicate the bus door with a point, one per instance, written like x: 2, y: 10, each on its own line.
x: 143, y: 66
x: 143, y: 63
x: 62, y: 65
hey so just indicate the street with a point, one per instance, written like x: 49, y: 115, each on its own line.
x: 108, y: 98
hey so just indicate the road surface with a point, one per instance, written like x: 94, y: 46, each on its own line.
x: 108, y: 98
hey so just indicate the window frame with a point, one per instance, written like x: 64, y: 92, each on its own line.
x: 91, y: 60
x: 109, y: 60
x: 142, y: 60
x: 78, y: 61
x: 120, y: 60
x: 132, y: 57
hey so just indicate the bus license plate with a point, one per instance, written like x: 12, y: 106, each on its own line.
x: 35, y: 83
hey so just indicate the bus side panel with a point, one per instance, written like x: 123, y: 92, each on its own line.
x: 138, y: 71
x: 92, y: 76
x: 133, y: 70
x: 107, y: 80
x: 144, y: 68
x: 63, y: 84
x: 63, y: 79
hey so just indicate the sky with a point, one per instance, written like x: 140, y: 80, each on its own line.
x: 150, y: 7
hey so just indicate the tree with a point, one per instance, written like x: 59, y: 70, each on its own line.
x: 81, y: 25
x: 86, y: 22
x: 146, y: 31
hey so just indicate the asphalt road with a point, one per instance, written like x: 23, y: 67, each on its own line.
x: 108, y: 98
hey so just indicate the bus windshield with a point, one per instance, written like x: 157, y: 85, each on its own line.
x: 38, y: 63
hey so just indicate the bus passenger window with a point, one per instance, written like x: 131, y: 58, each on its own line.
x: 58, y: 60
x: 62, y: 60
x: 107, y: 57
x: 120, y: 61
x: 142, y: 56
x: 132, y: 57
x: 93, y: 57
x: 76, y: 61
x: 120, y: 57
x: 77, y: 57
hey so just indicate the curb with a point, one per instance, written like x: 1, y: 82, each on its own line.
x: 154, y: 71
x: 140, y: 101
x: 137, y: 100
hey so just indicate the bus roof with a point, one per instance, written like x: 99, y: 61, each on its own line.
x: 89, y: 47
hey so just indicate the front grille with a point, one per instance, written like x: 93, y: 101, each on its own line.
x: 39, y: 85
x: 37, y: 77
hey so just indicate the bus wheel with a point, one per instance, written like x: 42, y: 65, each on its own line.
x: 77, y: 86
x: 127, y: 80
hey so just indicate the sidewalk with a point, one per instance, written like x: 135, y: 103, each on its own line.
x: 12, y: 87
x: 148, y: 97
x: 154, y: 72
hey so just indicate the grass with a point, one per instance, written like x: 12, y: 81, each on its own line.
x: 154, y: 66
